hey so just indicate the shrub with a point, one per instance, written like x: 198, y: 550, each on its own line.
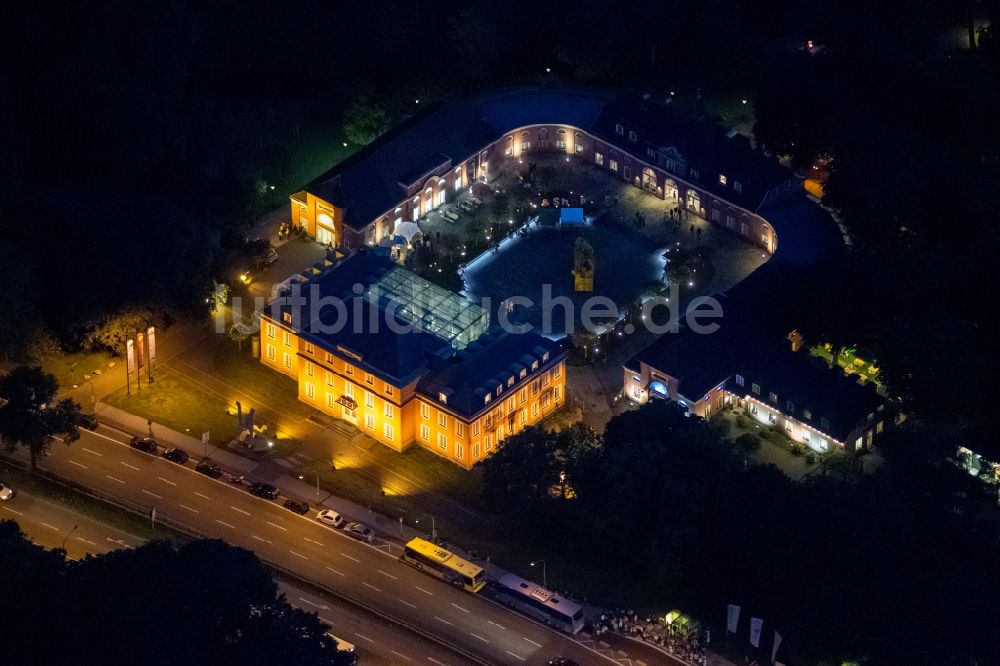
x: 798, y: 449
x: 748, y: 442
x: 810, y: 458
x: 722, y: 426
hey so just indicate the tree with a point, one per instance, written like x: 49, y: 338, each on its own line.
x: 202, y: 602
x: 111, y: 333
x: 521, y: 471
x: 30, y: 415
x: 364, y: 122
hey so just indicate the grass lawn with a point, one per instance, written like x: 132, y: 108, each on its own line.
x: 93, y: 508
x: 273, y: 389
x: 180, y: 405
x: 69, y: 369
x: 317, y: 148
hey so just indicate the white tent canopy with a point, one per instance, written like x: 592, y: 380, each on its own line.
x: 407, y: 230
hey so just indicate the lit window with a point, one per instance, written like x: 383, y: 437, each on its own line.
x: 534, y: 409
x: 442, y: 442
x: 525, y: 145
x: 534, y: 365
x: 388, y: 389
x: 310, y: 371
x: 270, y: 330
x: 523, y: 417
x: 369, y: 379
x: 330, y: 400
x: 489, y: 442
x: 561, y: 145
x: 425, y: 432
x: 388, y: 430
x: 348, y: 370
x: 388, y: 410
x: 443, y: 398
x: 722, y: 179
x: 271, y: 355
x: 739, y: 380
x: 286, y: 317
x: 807, y: 414
x: 288, y: 360
x: 557, y: 393
x: 309, y: 348
x: 475, y: 429
x: 475, y: 451
x: 459, y: 428
x: 619, y: 130
x: 349, y: 390
x: 329, y: 358
x: 599, y: 159
x: 773, y: 397
x: 459, y: 450
x: 524, y: 373
x: 522, y: 396
x: 369, y: 399
x: 442, y: 420
x: 580, y: 148
x: 425, y: 411
x: 310, y: 391
x: 369, y: 421
x: 613, y: 164
x: 286, y: 337
x: 486, y: 398
x: 755, y: 388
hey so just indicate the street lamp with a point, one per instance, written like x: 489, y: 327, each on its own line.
x: 68, y: 535
x: 545, y: 580
x: 434, y: 532
x: 316, y: 473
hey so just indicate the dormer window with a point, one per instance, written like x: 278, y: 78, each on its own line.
x: 755, y: 388
x: 774, y: 397
x: 722, y: 179
x: 524, y: 372
x: 620, y: 130
x: 739, y: 380
x: 416, y: 199
x: 633, y: 137
x: 791, y: 406
x: 499, y: 390
x: 486, y: 399
x: 510, y: 382
x: 824, y: 423
x: 534, y: 365
x: 694, y: 174
x: 286, y: 317
x: 443, y: 398
x: 545, y: 357
x: 737, y: 187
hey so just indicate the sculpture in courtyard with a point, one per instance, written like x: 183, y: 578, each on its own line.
x: 583, y: 265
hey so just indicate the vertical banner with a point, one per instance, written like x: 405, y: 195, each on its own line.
x: 129, y: 365
x: 755, y: 626
x: 140, y: 360
x: 774, y: 650
x: 732, y: 618
x: 151, y: 345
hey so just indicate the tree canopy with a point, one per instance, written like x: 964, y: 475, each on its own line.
x: 30, y: 415
x: 202, y: 602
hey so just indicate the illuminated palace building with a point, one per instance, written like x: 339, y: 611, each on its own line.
x: 407, y: 361
x: 427, y: 161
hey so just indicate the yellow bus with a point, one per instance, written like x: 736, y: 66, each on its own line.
x: 444, y: 564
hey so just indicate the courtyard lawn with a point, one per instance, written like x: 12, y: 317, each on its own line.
x: 69, y: 369
x: 179, y: 404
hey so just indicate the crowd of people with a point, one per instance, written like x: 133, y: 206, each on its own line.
x: 654, y: 631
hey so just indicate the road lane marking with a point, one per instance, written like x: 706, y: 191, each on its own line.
x: 13, y: 511
x: 73, y: 462
x: 459, y: 607
x: 364, y: 637
x: 298, y: 554
x: 532, y: 642
x: 283, y: 529
x: 400, y: 655
x: 440, y: 619
x: 478, y: 636
x: 201, y: 495
x: 500, y: 625
x: 51, y: 527
x: 313, y: 540
x: 153, y: 494
x: 87, y: 541
x: 233, y: 527
x: 403, y: 601
x: 114, y: 478
x: 387, y: 574
x: 313, y: 604
x: 515, y: 655
x: 430, y: 594
x: 185, y: 506
x: 435, y: 661
x: 335, y: 571
x: 166, y: 481
x: 240, y: 510
x: 99, y: 455
x: 259, y: 539
x: 371, y: 586
x: 127, y: 465
x: 350, y: 558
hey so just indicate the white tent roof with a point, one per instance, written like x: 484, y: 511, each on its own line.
x: 407, y: 230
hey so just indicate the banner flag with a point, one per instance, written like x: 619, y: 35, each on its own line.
x: 774, y: 650
x: 151, y: 344
x: 130, y: 357
x: 140, y: 353
x: 732, y: 618
x: 755, y: 626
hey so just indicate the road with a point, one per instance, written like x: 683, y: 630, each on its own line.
x: 378, y: 641
x: 369, y: 574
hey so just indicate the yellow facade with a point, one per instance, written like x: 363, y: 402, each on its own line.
x: 398, y: 416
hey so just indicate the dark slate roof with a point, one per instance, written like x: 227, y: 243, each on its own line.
x: 811, y: 384
x: 706, y: 146
x: 698, y: 362
x: 469, y: 374
x: 702, y: 362
x: 398, y: 356
x: 366, y: 185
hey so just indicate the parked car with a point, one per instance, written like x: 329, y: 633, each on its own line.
x: 145, y: 444
x: 265, y: 490
x: 360, y: 531
x: 298, y: 506
x: 88, y: 421
x: 6, y: 492
x: 176, y: 455
x: 209, y: 468
x: 330, y: 517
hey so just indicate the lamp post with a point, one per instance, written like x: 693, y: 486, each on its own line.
x: 68, y: 535
x: 434, y: 532
x: 316, y: 474
x: 545, y: 579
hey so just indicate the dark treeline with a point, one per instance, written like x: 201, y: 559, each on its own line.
x: 901, y: 566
